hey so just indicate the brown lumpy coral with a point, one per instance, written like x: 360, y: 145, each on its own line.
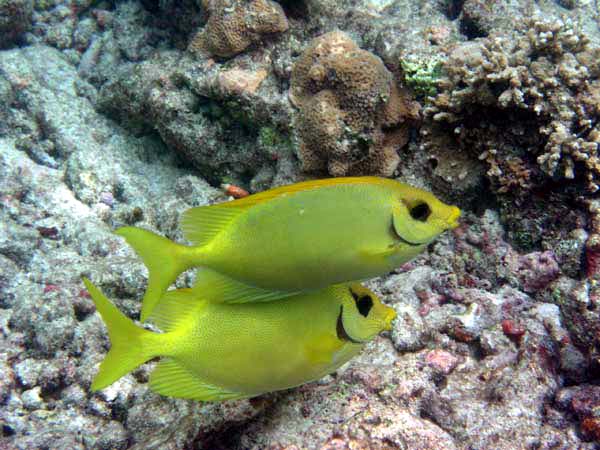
x: 352, y: 116
x: 234, y: 25
x: 527, y: 104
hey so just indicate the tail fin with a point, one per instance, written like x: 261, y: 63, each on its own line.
x: 127, y: 341
x: 164, y: 259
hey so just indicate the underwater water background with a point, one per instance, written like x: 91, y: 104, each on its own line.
x: 118, y: 113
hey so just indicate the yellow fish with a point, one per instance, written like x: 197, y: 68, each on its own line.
x: 297, y: 238
x: 217, y: 351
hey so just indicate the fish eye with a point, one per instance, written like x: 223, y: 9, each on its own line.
x: 420, y: 211
x: 363, y: 303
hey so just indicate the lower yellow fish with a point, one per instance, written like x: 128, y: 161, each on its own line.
x: 217, y: 351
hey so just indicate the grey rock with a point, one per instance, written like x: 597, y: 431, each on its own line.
x: 409, y: 329
x: 51, y: 234
x: 31, y: 398
x: 84, y: 33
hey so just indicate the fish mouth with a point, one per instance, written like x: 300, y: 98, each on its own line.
x: 341, y: 331
x: 452, y: 219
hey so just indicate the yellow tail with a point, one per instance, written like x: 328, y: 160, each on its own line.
x: 130, y: 344
x: 164, y: 259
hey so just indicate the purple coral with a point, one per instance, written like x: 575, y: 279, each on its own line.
x: 536, y: 270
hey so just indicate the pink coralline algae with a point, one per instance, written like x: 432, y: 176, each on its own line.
x: 536, y: 270
x: 441, y: 361
x: 513, y: 330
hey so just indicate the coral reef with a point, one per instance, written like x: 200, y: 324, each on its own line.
x: 234, y: 25
x: 496, y: 91
x: 521, y: 110
x: 352, y: 116
x: 15, y: 19
x: 106, y: 120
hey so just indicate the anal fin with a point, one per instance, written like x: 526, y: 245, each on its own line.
x: 215, y: 287
x: 201, y: 224
x: 173, y: 380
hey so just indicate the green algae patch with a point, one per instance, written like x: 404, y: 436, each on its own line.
x: 422, y: 76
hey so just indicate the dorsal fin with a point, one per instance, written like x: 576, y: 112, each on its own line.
x: 172, y: 379
x: 203, y: 223
x: 298, y: 187
x: 174, y: 307
x: 215, y: 287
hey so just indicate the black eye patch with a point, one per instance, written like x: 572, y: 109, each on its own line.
x: 420, y: 212
x: 363, y: 304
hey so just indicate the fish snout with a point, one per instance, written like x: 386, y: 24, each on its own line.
x: 389, y: 318
x: 452, y: 219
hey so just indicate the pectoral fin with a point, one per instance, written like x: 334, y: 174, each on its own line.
x: 379, y: 254
x: 172, y: 379
x: 320, y: 350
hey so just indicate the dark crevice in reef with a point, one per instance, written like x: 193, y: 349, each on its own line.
x: 294, y: 9
x: 225, y: 438
x: 452, y: 8
x: 470, y: 29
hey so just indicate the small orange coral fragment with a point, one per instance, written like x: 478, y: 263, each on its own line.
x: 238, y: 82
x: 235, y: 191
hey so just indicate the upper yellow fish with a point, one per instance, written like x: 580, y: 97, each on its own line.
x: 297, y: 238
x: 219, y: 351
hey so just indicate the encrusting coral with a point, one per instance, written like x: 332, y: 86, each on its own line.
x: 234, y: 25
x: 528, y: 104
x: 352, y: 116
